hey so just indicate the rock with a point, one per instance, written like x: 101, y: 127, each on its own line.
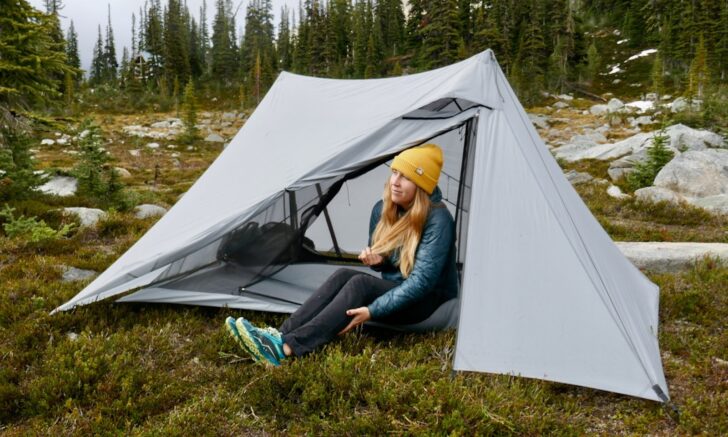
x: 588, y: 137
x: 699, y: 173
x: 682, y: 138
x: 229, y: 116
x: 621, y: 167
x: 615, y: 192
x: 175, y: 155
x: 190, y: 148
x: 61, y: 186
x: 88, y: 216
x: 214, y: 138
x: 575, y: 177
x: 73, y: 274
x: 641, y: 121
x: 652, y: 97
x: 565, y: 97
x: 153, y: 145
x: 561, y: 105
x: 599, y: 109
x: 145, y: 211
x: 657, y: 194
x: 72, y: 336
x: 669, y: 257
x: 615, y: 105
x: 540, y: 121
x: 122, y: 172
x: 135, y: 152
x: 84, y: 133
x: 47, y: 142
x: 225, y: 124
x: 716, y: 204
x: 63, y: 140
x: 171, y: 146
x: 168, y: 123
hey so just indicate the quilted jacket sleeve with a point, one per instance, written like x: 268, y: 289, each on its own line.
x: 430, y: 259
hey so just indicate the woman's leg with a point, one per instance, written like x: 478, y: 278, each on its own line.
x: 359, y: 290
x: 319, y: 299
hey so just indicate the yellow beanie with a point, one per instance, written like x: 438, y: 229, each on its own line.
x: 421, y: 165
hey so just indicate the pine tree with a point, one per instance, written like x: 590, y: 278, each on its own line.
x: 110, y: 63
x: 223, y: 59
x: 176, y: 50
x: 190, y: 113
x: 440, y: 34
x: 360, y: 31
x: 528, y: 70
x: 18, y: 179
x: 98, y: 64
x: 284, y: 49
x: 153, y: 40
x: 657, y: 76
x: 74, y: 60
x: 594, y: 61
x: 699, y: 77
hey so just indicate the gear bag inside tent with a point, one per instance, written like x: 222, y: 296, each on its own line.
x: 544, y: 291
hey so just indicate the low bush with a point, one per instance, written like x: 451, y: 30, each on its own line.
x: 30, y: 228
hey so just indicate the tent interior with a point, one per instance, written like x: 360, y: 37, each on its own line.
x: 276, y: 259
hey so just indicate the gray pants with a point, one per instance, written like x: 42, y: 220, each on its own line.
x: 318, y: 320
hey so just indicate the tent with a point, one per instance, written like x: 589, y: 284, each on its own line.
x: 545, y: 293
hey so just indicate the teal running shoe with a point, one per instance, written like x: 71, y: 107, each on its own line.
x: 233, y: 330
x: 266, y: 344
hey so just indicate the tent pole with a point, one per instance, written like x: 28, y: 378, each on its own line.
x: 328, y: 223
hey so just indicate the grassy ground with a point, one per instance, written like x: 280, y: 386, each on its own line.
x: 158, y: 370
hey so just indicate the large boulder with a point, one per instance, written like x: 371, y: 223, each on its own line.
x: 716, y: 204
x: 669, y: 257
x: 540, y: 121
x: 599, y: 109
x: 657, y: 194
x: 87, y: 216
x: 61, y: 186
x: 697, y: 173
x: 576, y: 177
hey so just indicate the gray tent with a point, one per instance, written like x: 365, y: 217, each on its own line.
x: 545, y: 292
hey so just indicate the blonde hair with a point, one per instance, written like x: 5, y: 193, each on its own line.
x: 404, y: 233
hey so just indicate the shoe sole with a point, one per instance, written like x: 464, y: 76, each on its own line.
x: 235, y: 334
x: 244, y: 328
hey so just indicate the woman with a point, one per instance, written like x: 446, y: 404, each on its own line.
x: 412, y: 245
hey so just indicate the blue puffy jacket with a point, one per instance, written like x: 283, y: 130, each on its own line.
x: 434, y: 274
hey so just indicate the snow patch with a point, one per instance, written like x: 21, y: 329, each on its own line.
x: 641, y: 105
x: 615, y: 69
x: 641, y: 54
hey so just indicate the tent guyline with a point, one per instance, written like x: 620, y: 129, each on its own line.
x: 544, y: 291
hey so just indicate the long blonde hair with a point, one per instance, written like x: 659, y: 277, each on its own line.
x: 404, y: 233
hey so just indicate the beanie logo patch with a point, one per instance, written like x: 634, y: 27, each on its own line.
x: 419, y: 171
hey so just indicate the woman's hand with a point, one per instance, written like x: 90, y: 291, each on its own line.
x: 370, y: 258
x: 360, y: 315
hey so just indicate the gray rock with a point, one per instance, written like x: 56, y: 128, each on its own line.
x: 681, y: 138
x: 615, y: 192
x: 168, y: 123
x: 641, y: 121
x: 679, y: 104
x: 122, y: 172
x: 540, y: 121
x: 88, y: 216
x: 699, y: 173
x: 561, y: 105
x: 229, y: 116
x: 47, y: 142
x: 153, y: 145
x: 72, y: 336
x: 652, y: 97
x: 658, y: 194
x: 716, y: 204
x: 621, y: 167
x: 73, y: 274
x: 145, y: 211
x: 135, y: 152
x: 615, y: 105
x: 669, y: 257
x: 599, y: 109
x: 565, y: 97
x: 575, y: 177
x: 214, y: 138
x: 61, y: 186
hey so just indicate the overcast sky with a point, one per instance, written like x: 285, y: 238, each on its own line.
x: 87, y: 15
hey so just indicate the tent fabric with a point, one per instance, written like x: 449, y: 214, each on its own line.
x: 545, y: 292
